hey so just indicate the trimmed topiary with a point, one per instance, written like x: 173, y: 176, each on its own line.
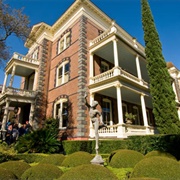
x: 88, y: 172
x: 157, y: 167
x: 55, y: 159
x: 16, y: 167
x: 76, y: 159
x: 6, y: 174
x: 31, y: 158
x: 42, y: 171
x: 144, y: 178
x: 125, y: 158
x: 159, y: 153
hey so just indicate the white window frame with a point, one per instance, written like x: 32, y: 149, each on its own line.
x: 124, y: 105
x: 65, y: 43
x: 60, y: 116
x: 109, y: 101
x: 137, y: 115
x: 62, y: 75
x: 35, y: 54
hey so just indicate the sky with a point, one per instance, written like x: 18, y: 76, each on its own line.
x: 126, y: 13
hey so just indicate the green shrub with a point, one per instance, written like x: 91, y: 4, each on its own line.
x: 42, y: 171
x: 55, y: 159
x: 6, y: 152
x: 6, y: 174
x: 40, y: 141
x: 157, y: 167
x: 167, y: 143
x: 88, y: 172
x: 77, y: 158
x: 144, y: 178
x: 125, y: 158
x: 16, y: 167
x: 105, y: 146
x: 31, y: 158
x: 159, y: 153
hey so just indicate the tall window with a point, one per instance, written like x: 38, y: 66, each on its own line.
x: 35, y: 54
x: 62, y: 73
x: 107, y: 112
x: 64, y: 42
x: 124, y: 109
x: 136, y: 112
x: 61, y: 112
x: 104, y: 67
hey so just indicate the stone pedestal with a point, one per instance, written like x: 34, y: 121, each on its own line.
x: 97, y: 160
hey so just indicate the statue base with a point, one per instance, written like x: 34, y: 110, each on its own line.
x: 97, y: 160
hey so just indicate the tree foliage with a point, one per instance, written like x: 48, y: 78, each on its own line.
x: 12, y: 22
x: 163, y: 97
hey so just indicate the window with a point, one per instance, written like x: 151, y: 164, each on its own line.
x: 107, y: 112
x: 62, y: 73
x: 136, y: 112
x: 124, y: 109
x: 61, y: 112
x: 104, y: 67
x: 63, y: 43
x: 35, y: 54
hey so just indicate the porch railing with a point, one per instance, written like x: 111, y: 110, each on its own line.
x: 20, y: 92
x: 129, y: 130
x: 116, y: 71
x: 24, y: 58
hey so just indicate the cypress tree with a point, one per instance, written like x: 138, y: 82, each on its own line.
x: 163, y: 97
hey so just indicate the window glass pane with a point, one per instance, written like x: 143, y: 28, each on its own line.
x: 60, y: 72
x: 67, y: 67
x: 65, y: 114
x: 106, y: 112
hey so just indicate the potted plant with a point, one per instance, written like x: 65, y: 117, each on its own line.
x: 130, y: 118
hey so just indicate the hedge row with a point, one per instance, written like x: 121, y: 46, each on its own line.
x: 142, y: 144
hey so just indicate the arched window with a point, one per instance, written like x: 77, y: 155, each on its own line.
x: 61, y: 112
x: 62, y: 73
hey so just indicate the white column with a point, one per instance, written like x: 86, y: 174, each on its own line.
x: 12, y: 76
x: 5, y: 81
x: 138, y: 67
x: 119, y: 104
x: 92, y: 132
x: 116, y: 62
x: 35, y: 80
x: 31, y: 114
x: 121, y: 128
x: 144, y: 110
x: 91, y: 67
x: 3, y: 127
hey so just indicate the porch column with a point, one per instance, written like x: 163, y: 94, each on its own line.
x: 119, y: 104
x: 12, y: 76
x: 92, y: 132
x: 144, y: 110
x: 31, y: 114
x: 91, y: 67
x: 4, y: 121
x: 121, y: 128
x: 35, y: 80
x: 116, y: 62
x: 5, y: 81
x: 138, y: 67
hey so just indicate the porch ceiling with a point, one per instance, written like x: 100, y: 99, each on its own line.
x: 126, y: 95
x: 22, y: 71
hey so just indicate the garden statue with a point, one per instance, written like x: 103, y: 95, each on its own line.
x: 97, y: 120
